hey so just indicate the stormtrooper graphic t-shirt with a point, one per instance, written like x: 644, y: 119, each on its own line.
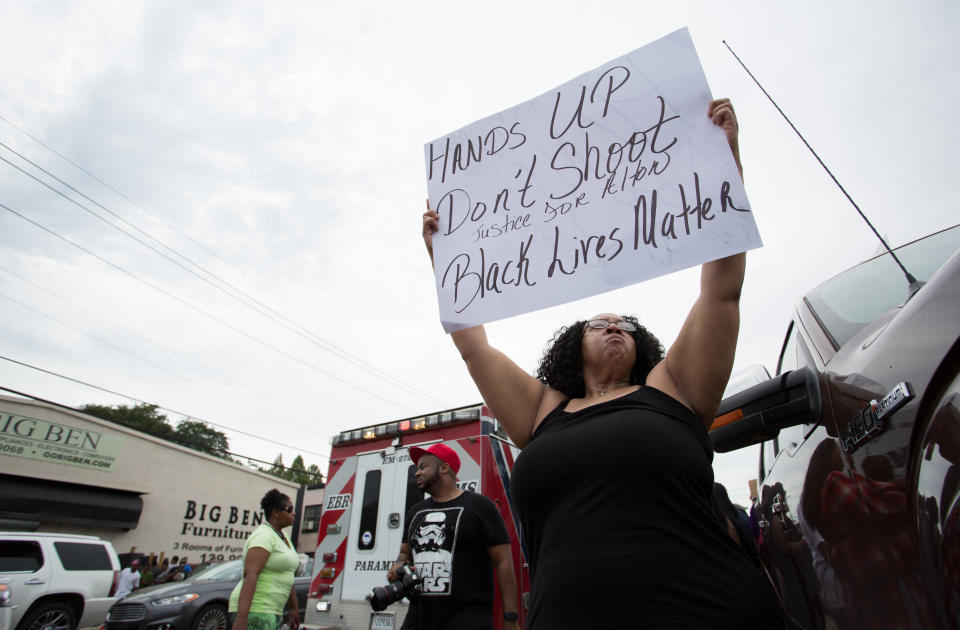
x: 449, y: 542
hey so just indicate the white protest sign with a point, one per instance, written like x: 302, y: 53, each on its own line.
x: 615, y: 177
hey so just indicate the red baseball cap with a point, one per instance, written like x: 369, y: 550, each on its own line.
x: 441, y: 451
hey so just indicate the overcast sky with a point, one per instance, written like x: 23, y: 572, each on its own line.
x: 279, y: 146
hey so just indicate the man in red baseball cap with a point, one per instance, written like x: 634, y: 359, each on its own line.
x: 442, y: 452
x: 456, y: 540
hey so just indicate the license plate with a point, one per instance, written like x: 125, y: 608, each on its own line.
x: 381, y: 621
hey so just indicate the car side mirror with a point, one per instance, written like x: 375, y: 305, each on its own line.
x: 759, y: 412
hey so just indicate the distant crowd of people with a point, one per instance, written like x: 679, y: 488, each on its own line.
x: 152, y: 570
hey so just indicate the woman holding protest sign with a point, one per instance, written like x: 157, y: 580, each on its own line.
x: 614, y: 483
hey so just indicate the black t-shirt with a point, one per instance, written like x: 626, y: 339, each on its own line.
x: 614, y: 501
x: 449, y: 542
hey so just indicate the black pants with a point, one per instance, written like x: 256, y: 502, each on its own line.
x: 466, y: 618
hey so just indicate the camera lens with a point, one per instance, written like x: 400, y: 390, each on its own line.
x: 383, y: 596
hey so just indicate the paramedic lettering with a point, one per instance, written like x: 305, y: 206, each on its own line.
x: 612, y: 178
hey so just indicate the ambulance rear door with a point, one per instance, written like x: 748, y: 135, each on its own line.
x: 385, y: 488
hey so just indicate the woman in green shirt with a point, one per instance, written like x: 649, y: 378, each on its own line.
x: 269, y: 565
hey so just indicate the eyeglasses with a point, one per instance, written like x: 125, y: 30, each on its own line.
x: 288, y: 509
x: 601, y: 324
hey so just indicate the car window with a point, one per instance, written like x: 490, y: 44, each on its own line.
x: 788, y: 361
x: 370, y: 506
x: 767, y: 454
x: 848, y: 302
x: 791, y: 437
x: 20, y: 555
x: 793, y: 356
x: 788, y: 355
x: 83, y: 556
x: 305, y: 568
x: 414, y: 493
x: 231, y: 570
x: 311, y: 518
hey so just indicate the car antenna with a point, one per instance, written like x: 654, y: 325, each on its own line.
x: 914, y: 284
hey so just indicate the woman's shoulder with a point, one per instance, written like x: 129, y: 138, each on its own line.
x: 262, y: 536
x: 553, y: 403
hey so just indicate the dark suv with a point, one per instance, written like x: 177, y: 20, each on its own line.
x: 857, y: 517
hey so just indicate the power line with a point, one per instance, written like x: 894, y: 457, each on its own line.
x: 158, y: 345
x: 271, y: 313
x: 141, y: 208
x: 148, y: 362
x: 201, y: 311
x: 170, y: 226
x: 142, y: 402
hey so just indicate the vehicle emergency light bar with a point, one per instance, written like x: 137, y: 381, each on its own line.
x: 408, y: 425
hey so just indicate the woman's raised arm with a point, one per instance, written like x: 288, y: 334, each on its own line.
x: 698, y: 364
x: 515, y: 398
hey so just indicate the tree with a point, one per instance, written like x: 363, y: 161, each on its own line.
x: 202, y: 437
x: 278, y: 469
x: 142, y: 417
x: 297, y: 472
x: 190, y: 433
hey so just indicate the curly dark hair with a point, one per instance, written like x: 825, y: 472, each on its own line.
x: 273, y: 500
x: 561, y: 366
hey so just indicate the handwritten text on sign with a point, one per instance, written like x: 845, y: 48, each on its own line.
x: 615, y: 177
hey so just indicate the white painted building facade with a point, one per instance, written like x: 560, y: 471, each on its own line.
x: 65, y: 471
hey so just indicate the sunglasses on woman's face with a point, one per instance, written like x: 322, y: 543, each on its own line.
x: 602, y: 324
x: 288, y: 509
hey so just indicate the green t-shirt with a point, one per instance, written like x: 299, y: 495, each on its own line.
x: 276, y: 579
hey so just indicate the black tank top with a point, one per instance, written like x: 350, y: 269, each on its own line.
x: 614, y: 501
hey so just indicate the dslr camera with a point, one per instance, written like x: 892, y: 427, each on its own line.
x: 383, y: 596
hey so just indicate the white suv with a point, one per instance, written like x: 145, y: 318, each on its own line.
x: 57, y: 581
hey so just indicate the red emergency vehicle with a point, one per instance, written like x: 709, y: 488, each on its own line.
x: 370, y: 488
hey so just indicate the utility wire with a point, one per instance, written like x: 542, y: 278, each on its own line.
x: 169, y: 226
x: 148, y: 362
x: 260, y: 307
x: 201, y: 311
x: 152, y: 248
x: 142, y: 402
x: 158, y: 345
x: 165, y: 439
x: 117, y: 192
x: 156, y: 218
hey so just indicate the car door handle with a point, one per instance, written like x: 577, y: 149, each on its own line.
x: 34, y: 581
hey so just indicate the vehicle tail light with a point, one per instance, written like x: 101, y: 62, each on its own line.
x: 116, y: 581
x: 324, y: 589
x: 328, y: 572
x: 330, y: 558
